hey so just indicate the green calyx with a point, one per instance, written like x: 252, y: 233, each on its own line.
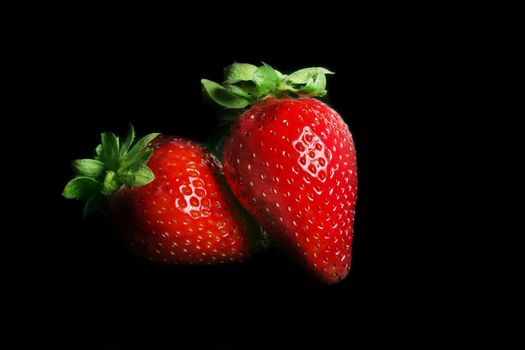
x: 245, y: 84
x: 114, y: 165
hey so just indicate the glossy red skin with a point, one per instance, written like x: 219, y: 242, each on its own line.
x: 186, y: 215
x: 291, y: 163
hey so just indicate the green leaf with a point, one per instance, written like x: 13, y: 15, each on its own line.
x: 302, y: 76
x: 239, y: 72
x: 239, y: 91
x: 315, y: 86
x: 111, y: 184
x: 307, y: 82
x: 98, y: 151
x: 266, y: 79
x: 114, y: 166
x: 245, y: 84
x: 128, y: 141
x: 223, y: 97
x: 137, y: 176
x: 280, y: 75
x: 88, y: 167
x: 81, y: 187
x: 141, y: 145
x: 136, y: 160
x: 110, y: 150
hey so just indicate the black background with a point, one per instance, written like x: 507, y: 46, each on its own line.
x: 430, y: 196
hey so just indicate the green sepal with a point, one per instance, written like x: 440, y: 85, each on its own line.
x: 110, y: 184
x: 81, y: 187
x: 239, y: 72
x: 88, y: 167
x: 307, y: 81
x: 246, y: 91
x: 128, y: 141
x: 115, y: 165
x: 302, y: 75
x: 135, y: 159
x: 266, y: 79
x: 140, y: 146
x: 224, y: 97
x: 245, y: 84
x: 136, y: 176
x: 110, y: 150
x: 98, y: 151
x: 280, y: 75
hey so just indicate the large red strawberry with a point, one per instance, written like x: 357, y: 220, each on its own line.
x: 168, y: 197
x: 291, y: 163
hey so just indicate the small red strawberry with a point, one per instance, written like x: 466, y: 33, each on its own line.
x: 168, y: 197
x: 291, y: 163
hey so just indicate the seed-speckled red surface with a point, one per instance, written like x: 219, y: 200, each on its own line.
x: 186, y: 214
x: 291, y: 163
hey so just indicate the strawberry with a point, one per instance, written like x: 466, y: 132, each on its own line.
x: 291, y: 163
x: 168, y: 198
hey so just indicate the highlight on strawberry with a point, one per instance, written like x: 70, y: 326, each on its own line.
x: 168, y: 198
x: 290, y: 161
